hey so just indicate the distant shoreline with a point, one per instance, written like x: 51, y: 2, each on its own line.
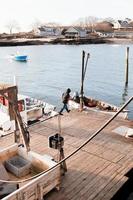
x: 42, y: 41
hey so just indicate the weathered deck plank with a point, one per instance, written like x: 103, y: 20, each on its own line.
x: 95, y: 172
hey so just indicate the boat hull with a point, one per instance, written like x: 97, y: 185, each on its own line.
x: 20, y: 58
x: 98, y: 106
x: 31, y: 111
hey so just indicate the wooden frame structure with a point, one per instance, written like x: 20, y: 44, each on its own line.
x: 9, y: 93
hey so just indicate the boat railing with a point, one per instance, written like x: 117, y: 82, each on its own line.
x: 31, y: 103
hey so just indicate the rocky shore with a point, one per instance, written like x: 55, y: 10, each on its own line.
x: 42, y: 41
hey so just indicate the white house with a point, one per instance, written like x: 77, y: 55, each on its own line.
x: 120, y: 24
x: 75, y: 32
x: 47, y: 31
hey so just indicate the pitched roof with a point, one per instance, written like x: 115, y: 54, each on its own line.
x: 123, y: 24
x: 41, y: 28
x: 74, y: 29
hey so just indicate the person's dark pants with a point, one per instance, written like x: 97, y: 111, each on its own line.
x: 64, y: 107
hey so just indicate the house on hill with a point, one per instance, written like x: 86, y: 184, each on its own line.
x: 104, y: 29
x: 121, y: 24
x: 123, y: 29
x: 45, y: 31
x: 75, y: 32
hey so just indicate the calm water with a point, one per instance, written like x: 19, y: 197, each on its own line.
x: 53, y: 68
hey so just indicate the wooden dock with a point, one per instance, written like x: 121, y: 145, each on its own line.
x: 99, y: 169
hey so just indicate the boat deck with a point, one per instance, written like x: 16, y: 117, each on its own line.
x: 99, y: 169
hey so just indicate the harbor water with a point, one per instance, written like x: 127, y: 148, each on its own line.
x: 51, y: 69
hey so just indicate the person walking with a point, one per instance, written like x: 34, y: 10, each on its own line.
x: 65, y: 99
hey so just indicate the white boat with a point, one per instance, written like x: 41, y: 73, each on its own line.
x: 31, y: 110
x: 97, y: 106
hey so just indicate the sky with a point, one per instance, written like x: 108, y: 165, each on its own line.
x: 28, y: 12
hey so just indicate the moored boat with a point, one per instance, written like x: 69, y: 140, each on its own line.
x: 31, y: 110
x: 19, y: 57
x: 96, y: 105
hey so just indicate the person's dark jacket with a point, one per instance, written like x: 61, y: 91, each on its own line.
x: 65, y: 97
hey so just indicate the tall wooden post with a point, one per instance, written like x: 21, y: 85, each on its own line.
x: 127, y: 67
x: 12, y: 95
x: 82, y: 82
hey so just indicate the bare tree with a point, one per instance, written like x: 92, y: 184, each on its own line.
x: 80, y: 22
x: 53, y: 24
x: 87, y: 22
x: 90, y: 22
x: 37, y: 23
x: 12, y: 25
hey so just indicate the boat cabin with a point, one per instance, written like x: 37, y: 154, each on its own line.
x: 30, y: 110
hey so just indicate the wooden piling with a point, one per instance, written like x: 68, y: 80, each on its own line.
x: 127, y: 66
x: 82, y: 82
